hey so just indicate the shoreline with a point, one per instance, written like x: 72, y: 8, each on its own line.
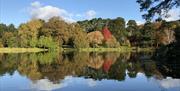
x: 21, y: 50
x: 120, y: 49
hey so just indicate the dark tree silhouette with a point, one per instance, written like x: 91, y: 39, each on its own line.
x: 159, y: 7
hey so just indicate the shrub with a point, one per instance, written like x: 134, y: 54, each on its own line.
x: 95, y: 38
x: 47, y: 43
x: 112, y: 43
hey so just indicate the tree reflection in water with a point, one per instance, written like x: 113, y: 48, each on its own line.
x: 98, y: 66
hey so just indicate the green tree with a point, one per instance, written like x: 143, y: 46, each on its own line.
x: 79, y: 37
x: 47, y: 43
x: 117, y: 28
x: 9, y: 40
x: 23, y: 35
x: 58, y: 29
x: 11, y: 28
x: 29, y: 32
x: 134, y: 33
x: 131, y: 27
x: 148, y: 35
x: 3, y: 28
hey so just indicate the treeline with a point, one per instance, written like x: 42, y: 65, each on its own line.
x: 37, y: 33
x: 97, y: 32
x: 150, y: 34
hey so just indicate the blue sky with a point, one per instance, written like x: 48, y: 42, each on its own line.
x: 20, y: 11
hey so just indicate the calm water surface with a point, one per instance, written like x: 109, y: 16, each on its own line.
x: 87, y: 72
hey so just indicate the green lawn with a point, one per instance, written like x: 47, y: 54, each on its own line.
x: 20, y: 50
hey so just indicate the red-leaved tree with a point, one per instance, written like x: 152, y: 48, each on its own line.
x: 107, y: 65
x: 106, y: 33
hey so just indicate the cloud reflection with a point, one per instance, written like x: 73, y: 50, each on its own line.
x: 45, y: 84
x: 168, y: 83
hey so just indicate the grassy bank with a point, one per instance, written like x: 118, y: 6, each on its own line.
x: 120, y: 49
x: 20, y: 50
x: 106, y: 49
x: 138, y: 49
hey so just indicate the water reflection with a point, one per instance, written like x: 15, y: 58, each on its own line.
x: 45, y: 84
x: 93, y: 71
x: 169, y: 83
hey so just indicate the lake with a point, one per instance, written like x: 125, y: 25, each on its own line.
x: 84, y: 71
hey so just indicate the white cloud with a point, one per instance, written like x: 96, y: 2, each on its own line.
x: 45, y: 12
x: 36, y: 4
x: 45, y: 84
x: 86, y: 15
x: 90, y: 14
x: 139, y: 22
x: 38, y: 11
x: 79, y: 15
x: 174, y: 15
